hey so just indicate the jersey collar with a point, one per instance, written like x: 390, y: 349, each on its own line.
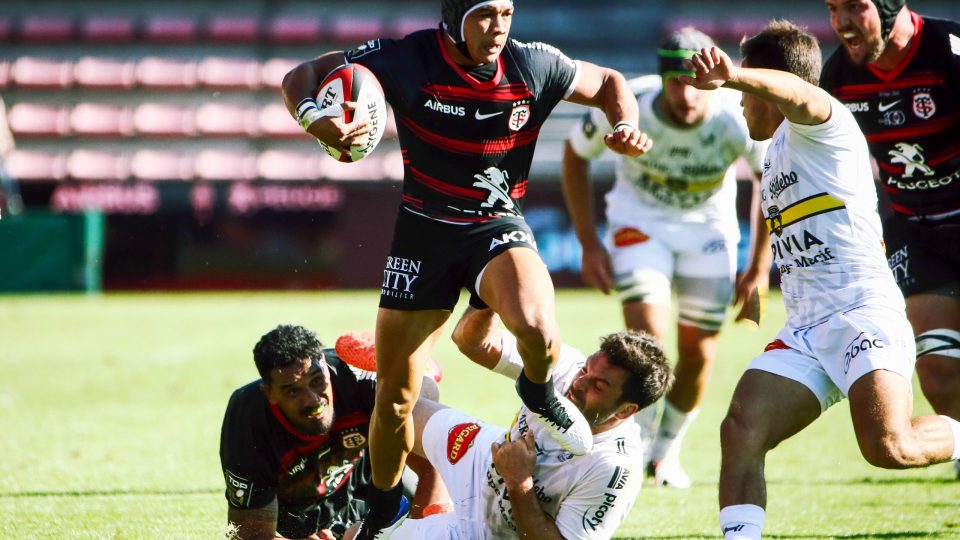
x: 888, y: 76
x: 470, y: 79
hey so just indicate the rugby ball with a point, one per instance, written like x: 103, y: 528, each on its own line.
x: 353, y: 82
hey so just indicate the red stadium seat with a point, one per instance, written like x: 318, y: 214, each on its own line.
x: 237, y: 73
x: 97, y: 119
x: 97, y: 29
x: 46, y: 29
x: 290, y: 165
x: 229, y: 120
x: 27, y: 165
x: 225, y: 165
x: 6, y: 29
x: 158, y: 165
x: 167, y: 73
x: 32, y: 72
x: 95, y: 72
x: 98, y: 165
x: 32, y: 119
x: 352, y: 29
x: 233, y: 29
x: 273, y: 70
x: 275, y: 121
x: 168, y: 29
x: 295, y: 30
x: 164, y: 120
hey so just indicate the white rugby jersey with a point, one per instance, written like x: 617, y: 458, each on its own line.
x: 587, y: 496
x: 820, y: 202
x: 687, y: 175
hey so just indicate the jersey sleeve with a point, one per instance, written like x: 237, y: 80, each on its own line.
x: 600, y: 501
x: 249, y: 481
x: 552, y: 75
x: 381, y: 56
x: 586, y: 136
x: 840, y: 130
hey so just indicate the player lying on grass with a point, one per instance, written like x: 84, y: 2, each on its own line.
x: 519, y: 482
x: 294, y: 443
x: 847, y: 333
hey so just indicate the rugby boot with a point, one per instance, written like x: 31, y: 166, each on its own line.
x: 566, y: 424
x: 372, y: 528
x: 358, y: 350
x: 668, y: 473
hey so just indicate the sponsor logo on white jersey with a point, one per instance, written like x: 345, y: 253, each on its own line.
x: 593, y: 518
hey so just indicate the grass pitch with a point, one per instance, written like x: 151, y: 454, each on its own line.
x: 110, y: 409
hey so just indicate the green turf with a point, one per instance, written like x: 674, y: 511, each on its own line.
x: 110, y: 409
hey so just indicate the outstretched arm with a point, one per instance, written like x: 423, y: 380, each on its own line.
x: 608, y: 90
x: 799, y: 101
x: 596, y: 269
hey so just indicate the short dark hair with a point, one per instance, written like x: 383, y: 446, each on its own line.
x: 285, y: 346
x: 784, y: 46
x: 641, y: 355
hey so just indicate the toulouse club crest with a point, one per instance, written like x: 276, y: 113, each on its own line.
x: 519, y: 116
x: 923, y: 105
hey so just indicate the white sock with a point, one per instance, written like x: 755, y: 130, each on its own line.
x: 742, y: 522
x: 647, y: 420
x: 955, y: 428
x: 510, y: 364
x: 673, y: 427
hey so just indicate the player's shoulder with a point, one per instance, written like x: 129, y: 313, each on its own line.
x: 537, y: 51
x: 247, y: 398
x: 375, y: 48
x: 945, y: 28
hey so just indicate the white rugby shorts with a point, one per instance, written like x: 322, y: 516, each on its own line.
x: 829, y: 357
x: 458, y: 447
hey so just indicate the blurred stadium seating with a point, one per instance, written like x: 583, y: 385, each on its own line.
x: 183, y: 77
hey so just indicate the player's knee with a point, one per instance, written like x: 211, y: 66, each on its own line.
x: 740, y: 436
x: 534, y: 336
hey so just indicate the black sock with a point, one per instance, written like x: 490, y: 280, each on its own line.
x: 384, y: 503
x: 536, y: 396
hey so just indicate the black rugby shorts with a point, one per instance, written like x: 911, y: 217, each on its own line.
x: 430, y: 261
x: 924, y: 256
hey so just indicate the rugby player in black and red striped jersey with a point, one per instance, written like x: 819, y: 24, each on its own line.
x: 293, y: 444
x: 469, y: 104
x: 899, y: 73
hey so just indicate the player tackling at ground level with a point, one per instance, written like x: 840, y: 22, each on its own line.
x: 469, y: 103
x: 518, y: 482
x: 899, y: 73
x: 846, y: 332
x: 293, y: 443
x: 671, y: 220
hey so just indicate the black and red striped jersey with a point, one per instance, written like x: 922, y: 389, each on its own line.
x: 319, y: 481
x: 910, y: 116
x: 467, y: 144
